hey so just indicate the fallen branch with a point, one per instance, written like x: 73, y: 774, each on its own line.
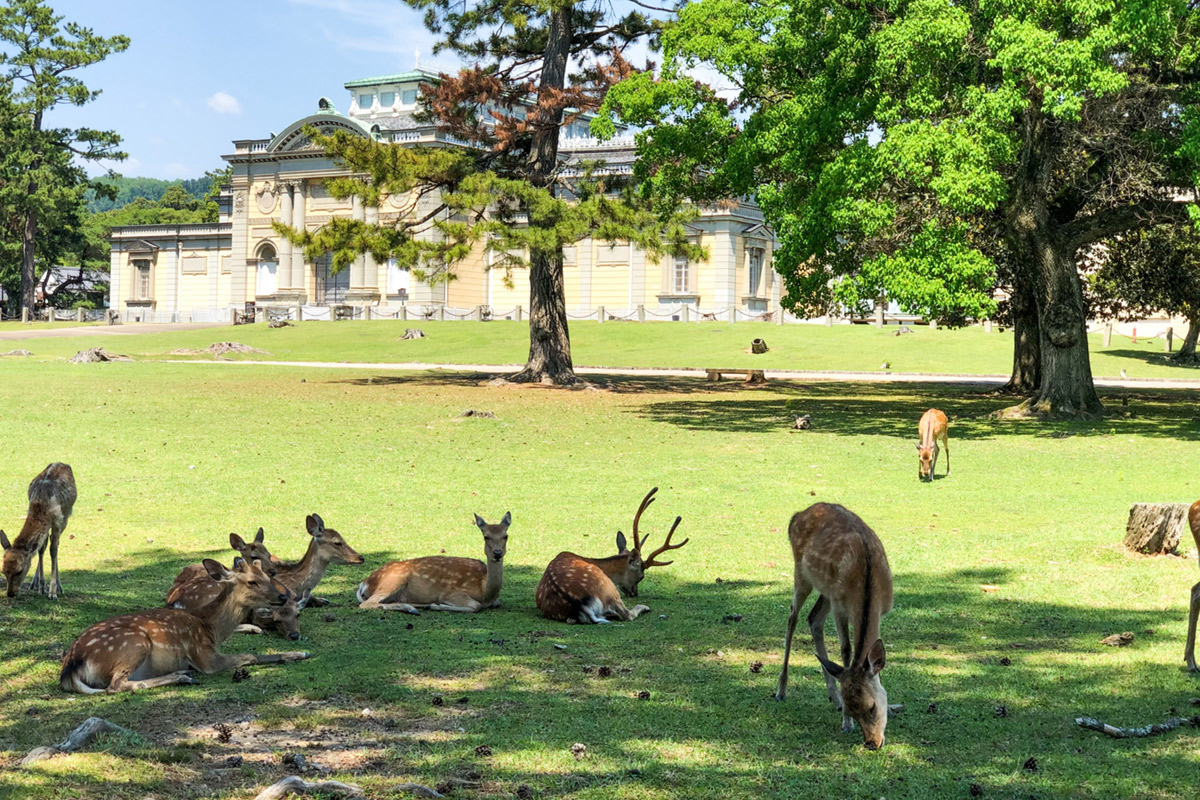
x: 76, y: 740
x: 296, y: 785
x: 417, y: 789
x: 1136, y: 733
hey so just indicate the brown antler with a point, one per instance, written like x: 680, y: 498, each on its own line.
x: 646, y: 501
x: 650, y: 562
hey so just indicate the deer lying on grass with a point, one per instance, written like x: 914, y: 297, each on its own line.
x: 578, y: 589
x: 196, y: 594
x: 158, y: 647
x: 51, y: 499
x: 1189, y: 652
x: 327, y: 547
x: 250, y: 551
x: 441, y: 583
x: 837, y: 554
x: 932, y: 428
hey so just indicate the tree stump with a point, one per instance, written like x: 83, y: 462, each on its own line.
x: 1155, y: 528
x: 413, y: 333
x: 758, y: 346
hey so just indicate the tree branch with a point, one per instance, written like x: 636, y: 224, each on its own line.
x: 1112, y: 221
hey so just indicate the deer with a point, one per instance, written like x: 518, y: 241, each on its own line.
x: 326, y: 547
x: 839, y: 556
x: 196, y: 594
x: 1189, y: 652
x: 442, y: 583
x: 932, y: 428
x: 51, y: 499
x: 159, y: 647
x: 253, y: 550
x: 588, y: 590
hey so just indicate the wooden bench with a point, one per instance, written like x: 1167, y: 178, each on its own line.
x: 752, y: 375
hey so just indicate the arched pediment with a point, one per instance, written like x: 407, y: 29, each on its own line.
x: 292, y: 137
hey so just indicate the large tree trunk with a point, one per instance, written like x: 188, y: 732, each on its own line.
x: 1027, y: 347
x: 28, y: 246
x: 549, y: 341
x: 1188, y: 351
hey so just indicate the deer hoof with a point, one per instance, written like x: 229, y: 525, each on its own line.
x: 186, y: 678
x: 847, y: 725
x: 297, y: 656
x: 780, y: 696
x: 895, y: 710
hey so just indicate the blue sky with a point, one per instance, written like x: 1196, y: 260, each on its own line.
x: 200, y: 73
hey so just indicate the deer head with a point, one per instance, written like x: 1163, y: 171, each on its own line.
x: 254, y: 551
x: 926, y: 453
x: 15, y: 565
x: 248, y: 584
x: 495, y: 538
x: 627, y: 581
x: 863, y: 696
x: 330, y: 543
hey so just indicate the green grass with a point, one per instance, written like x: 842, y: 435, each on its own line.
x: 802, y: 347
x: 170, y: 458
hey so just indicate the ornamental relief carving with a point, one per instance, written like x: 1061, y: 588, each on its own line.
x: 239, y: 202
x: 266, y: 198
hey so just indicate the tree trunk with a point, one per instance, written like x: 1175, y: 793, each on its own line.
x: 549, y: 339
x: 1155, y: 528
x: 1187, y: 352
x: 28, y: 245
x: 1027, y: 349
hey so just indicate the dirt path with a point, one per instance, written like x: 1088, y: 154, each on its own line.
x: 128, y: 329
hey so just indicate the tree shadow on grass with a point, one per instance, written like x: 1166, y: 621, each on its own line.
x: 1186, y: 369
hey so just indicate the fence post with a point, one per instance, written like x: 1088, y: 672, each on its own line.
x: 987, y: 326
x: 1170, y: 335
x: 879, y: 315
x: 933, y: 324
x: 1108, y: 334
x: 404, y: 311
x: 517, y: 313
x: 829, y: 319
x: 684, y: 314
x: 779, y: 315
x: 24, y: 315
x: 641, y: 313
x: 367, y: 312
x: 600, y: 314
x: 732, y: 314
x: 79, y: 315
x: 477, y: 313
x: 442, y: 313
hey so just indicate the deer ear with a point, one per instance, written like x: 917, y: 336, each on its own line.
x: 918, y: 447
x: 4, y: 540
x: 215, y: 569
x: 620, y: 542
x: 507, y: 519
x: 876, y: 657
x: 237, y: 542
x: 479, y: 523
x: 315, y: 525
x: 258, y: 537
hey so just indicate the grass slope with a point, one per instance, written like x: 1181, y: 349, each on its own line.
x: 170, y: 458
x: 809, y: 347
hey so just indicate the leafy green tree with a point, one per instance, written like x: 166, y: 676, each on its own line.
x: 507, y: 186
x: 39, y: 54
x: 881, y: 137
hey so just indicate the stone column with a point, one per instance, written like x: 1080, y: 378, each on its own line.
x: 298, y: 269
x: 283, y: 270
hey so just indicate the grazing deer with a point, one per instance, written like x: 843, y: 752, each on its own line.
x: 326, y: 547
x: 1189, y: 652
x: 837, y: 554
x: 932, y: 428
x: 51, y: 499
x: 578, y: 589
x: 195, y: 595
x: 250, y: 551
x: 153, y: 648
x: 441, y: 583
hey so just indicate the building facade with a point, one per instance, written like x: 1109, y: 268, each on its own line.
x: 200, y: 272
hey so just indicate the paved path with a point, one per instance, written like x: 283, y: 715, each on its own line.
x: 777, y: 374
x: 127, y: 329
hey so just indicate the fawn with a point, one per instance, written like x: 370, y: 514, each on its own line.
x: 51, y: 499
x: 196, y: 594
x: 932, y: 428
x: 1189, y: 652
x: 253, y: 550
x: 153, y: 648
x: 837, y: 554
x: 441, y: 583
x: 326, y: 547
x: 578, y: 589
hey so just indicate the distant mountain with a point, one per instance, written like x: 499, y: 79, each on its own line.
x: 129, y: 189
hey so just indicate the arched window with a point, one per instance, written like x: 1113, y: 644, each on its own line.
x: 265, y: 282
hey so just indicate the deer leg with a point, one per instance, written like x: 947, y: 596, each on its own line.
x: 458, y: 602
x: 798, y: 598
x: 246, y: 627
x: 946, y: 444
x: 816, y: 627
x: 123, y: 684
x: 37, y: 584
x: 55, y: 585
x: 316, y: 602
x: 1189, y: 652
x: 380, y: 602
x: 842, y: 623
x: 212, y: 661
x: 623, y: 613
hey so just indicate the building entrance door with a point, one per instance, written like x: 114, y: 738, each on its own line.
x: 331, y: 288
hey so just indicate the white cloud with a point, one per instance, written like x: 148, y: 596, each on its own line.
x: 177, y: 170
x: 224, y: 103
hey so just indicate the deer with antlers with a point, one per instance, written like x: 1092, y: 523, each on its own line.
x: 253, y: 550
x: 51, y: 499
x: 578, y: 589
x: 441, y: 583
x: 159, y: 647
x: 839, y: 556
x: 1189, y: 652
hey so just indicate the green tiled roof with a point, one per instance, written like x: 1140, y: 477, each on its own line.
x: 399, y: 77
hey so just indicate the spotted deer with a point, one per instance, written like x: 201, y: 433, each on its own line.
x: 159, y: 647
x: 839, y: 556
x: 51, y: 500
x: 326, y: 547
x: 932, y: 427
x: 578, y: 589
x: 196, y: 594
x: 1189, y: 652
x: 253, y: 550
x: 442, y: 583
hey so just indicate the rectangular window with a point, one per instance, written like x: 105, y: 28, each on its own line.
x: 387, y: 99
x: 365, y: 101
x: 681, y: 275
x: 409, y: 97
x: 142, y: 285
x: 756, y: 259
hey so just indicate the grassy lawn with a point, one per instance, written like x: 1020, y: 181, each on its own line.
x: 170, y: 458
x: 807, y: 347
